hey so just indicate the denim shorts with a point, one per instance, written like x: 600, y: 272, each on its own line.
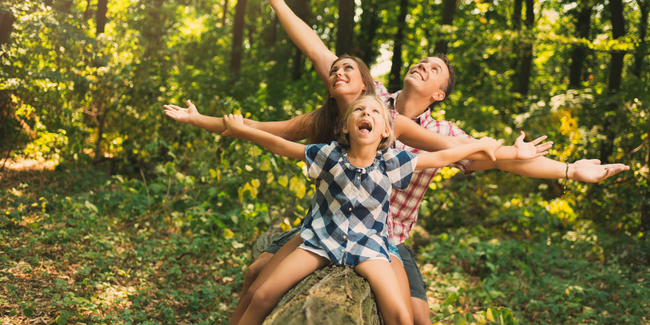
x: 405, y: 255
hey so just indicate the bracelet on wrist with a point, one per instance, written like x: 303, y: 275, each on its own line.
x: 566, y: 177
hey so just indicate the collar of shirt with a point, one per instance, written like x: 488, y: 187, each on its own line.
x: 422, y: 119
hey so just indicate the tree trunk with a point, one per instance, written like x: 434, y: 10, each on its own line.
x: 225, y: 13
x: 447, y: 19
x: 516, y: 15
x: 366, y: 48
x: 641, y: 51
x: 579, y: 53
x: 237, y: 37
x: 6, y: 26
x: 615, y: 76
x: 331, y: 295
x: 527, y: 52
x: 345, y: 30
x: 100, y: 16
x: 395, y: 79
x: 301, y: 8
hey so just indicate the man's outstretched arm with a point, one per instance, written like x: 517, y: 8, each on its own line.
x: 305, y: 39
x: 584, y: 170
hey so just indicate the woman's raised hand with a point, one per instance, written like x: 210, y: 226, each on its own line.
x: 183, y: 115
x: 489, y: 146
x: 530, y: 150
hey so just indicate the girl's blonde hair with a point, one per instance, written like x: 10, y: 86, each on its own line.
x: 344, y: 141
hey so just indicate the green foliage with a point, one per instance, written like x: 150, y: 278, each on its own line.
x: 166, y: 235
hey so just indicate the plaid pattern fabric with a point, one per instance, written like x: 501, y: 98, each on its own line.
x: 405, y: 204
x: 348, y: 214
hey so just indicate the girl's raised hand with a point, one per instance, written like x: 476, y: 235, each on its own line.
x: 489, y: 146
x: 234, y: 124
x: 530, y: 150
x: 183, y: 115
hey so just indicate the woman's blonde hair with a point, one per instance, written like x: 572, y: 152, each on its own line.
x: 344, y: 140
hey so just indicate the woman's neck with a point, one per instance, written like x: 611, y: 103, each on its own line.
x: 343, y: 103
x: 362, y: 156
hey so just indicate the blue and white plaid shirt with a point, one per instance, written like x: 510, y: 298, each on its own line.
x: 347, y: 216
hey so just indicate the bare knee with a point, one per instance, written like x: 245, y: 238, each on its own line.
x: 401, y: 317
x: 420, y: 311
x: 263, y: 299
x: 256, y: 268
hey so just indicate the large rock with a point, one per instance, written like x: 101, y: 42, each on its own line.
x: 331, y: 295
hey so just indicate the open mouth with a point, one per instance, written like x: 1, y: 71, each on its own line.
x: 418, y: 74
x: 365, y: 127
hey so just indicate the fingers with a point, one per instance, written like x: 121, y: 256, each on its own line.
x: 544, y: 146
x: 541, y: 154
x: 540, y: 139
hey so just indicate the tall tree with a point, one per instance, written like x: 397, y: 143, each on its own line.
x: 225, y: 13
x: 100, y: 15
x: 301, y: 8
x: 6, y: 26
x: 527, y: 51
x: 367, y: 48
x: 641, y: 51
x: 394, y: 81
x: 345, y: 30
x: 579, y: 53
x: 615, y: 75
x: 447, y: 19
x: 237, y: 37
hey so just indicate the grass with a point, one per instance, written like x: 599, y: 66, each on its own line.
x: 79, y: 246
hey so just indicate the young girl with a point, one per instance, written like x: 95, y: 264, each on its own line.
x: 346, y: 223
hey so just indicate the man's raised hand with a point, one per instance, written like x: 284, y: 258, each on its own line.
x: 530, y: 150
x: 183, y: 115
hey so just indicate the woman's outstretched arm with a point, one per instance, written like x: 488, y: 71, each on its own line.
x: 293, y: 129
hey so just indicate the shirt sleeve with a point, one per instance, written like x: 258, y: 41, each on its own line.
x: 320, y: 158
x: 400, y: 165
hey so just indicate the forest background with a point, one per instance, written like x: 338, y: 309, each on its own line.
x: 147, y: 220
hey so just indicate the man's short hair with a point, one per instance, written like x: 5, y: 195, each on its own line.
x: 451, y: 81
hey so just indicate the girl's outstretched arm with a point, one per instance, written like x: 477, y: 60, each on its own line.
x: 292, y: 129
x: 445, y: 157
x: 413, y: 135
x: 236, y: 127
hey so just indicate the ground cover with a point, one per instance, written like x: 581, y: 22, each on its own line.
x: 79, y: 246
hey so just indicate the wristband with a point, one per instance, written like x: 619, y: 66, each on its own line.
x: 566, y: 177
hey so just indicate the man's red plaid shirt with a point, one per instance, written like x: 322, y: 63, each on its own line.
x: 405, y: 204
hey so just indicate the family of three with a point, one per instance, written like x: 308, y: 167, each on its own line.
x: 364, y: 145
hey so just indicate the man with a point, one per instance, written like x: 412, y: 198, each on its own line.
x: 427, y: 83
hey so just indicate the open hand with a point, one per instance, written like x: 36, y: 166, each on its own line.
x: 591, y: 171
x: 234, y: 123
x: 490, y: 145
x: 530, y: 150
x: 183, y: 115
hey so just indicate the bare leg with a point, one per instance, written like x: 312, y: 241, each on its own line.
x: 292, y: 270
x: 420, y: 311
x: 384, y: 284
x: 403, y: 281
x: 270, y: 265
x: 254, y: 271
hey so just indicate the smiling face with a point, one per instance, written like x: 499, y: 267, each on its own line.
x: 429, y: 77
x: 367, y: 122
x: 346, y: 79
